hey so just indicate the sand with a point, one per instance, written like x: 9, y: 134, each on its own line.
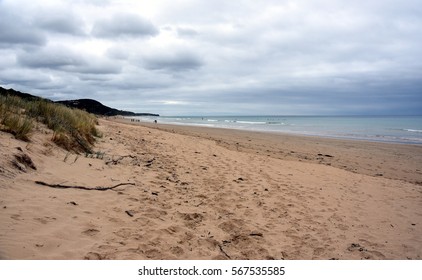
x: 202, y: 193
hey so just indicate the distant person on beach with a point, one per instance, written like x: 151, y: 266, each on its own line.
x: 155, y: 121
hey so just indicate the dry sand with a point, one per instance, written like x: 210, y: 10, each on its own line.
x: 201, y: 193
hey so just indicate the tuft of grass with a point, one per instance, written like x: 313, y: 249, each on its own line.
x: 73, y: 129
x: 19, y: 126
x: 12, y: 120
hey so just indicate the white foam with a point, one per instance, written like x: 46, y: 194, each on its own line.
x: 413, y: 130
x: 247, y: 122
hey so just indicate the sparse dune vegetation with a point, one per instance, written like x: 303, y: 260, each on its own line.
x: 73, y: 129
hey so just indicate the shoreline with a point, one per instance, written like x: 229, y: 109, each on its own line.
x: 377, y: 158
x: 295, y: 134
x: 342, y: 134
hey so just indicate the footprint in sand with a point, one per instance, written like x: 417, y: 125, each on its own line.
x: 173, y: 229
x: 176, y: 250
x: 45, y: 220
x: 234, y: 226
x: 364, y: 252
x: 90, y: 232
x: 16, y: 217
x: 93, y: 256
x: 192, y: 219
x: 123, y: 233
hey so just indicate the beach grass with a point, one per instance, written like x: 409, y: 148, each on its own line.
x: 73, y: 129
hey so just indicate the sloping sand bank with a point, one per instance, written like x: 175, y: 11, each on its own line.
x: 203, y: 193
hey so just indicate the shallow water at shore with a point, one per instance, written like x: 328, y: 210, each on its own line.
x: 395, y: 129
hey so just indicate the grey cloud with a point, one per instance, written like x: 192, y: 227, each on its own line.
x: 124, y: 25
x: 65, y: 24
x: 19, y: 77
x: 35, y: 81
x: 119, y: 53
x: 174, y: 61
x: 88, y: 77
x: 14, y: 30
x: 271, y: 57
x: 52, y: 58
x: 66, y: 60
x: 19, y: 35
x: 98, y: 67
x: 306, y: 100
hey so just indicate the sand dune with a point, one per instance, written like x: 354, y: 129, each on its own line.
x: 211, y: 194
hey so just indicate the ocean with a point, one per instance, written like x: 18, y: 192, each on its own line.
x: 395, y: 129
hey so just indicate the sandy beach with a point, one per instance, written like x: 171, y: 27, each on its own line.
x: 174, y: 192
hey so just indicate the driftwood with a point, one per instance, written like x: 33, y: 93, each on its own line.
x: 224, y: 252
x: 129, y: 213
x: 58, y: 186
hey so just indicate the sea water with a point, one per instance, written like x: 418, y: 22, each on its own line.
x: 397, y: 129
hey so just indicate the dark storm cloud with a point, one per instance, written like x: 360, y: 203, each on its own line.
x: 124, y: 25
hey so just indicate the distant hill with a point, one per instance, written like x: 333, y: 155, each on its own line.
x: 89, y: 105
x: 95, y: 107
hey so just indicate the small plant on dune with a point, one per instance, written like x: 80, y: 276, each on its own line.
x: 13, y: 120
x: 21, y: 127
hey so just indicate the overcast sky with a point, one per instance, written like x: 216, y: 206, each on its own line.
x: 197, y: 57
